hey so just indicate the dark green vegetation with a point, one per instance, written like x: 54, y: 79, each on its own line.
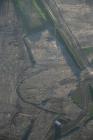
x: 91, y: 91
x: 91, y: 104
x: 88, y: 50
x: 90, y: 111
x: 39, y: 10
x: 31, y: 15
x: 78, y: 99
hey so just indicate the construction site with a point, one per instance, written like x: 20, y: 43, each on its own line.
x: 46, y: 70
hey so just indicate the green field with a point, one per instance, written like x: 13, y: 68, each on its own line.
x: 88, y: 50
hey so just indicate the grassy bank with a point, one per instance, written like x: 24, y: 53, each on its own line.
x: 30, y: 14
x: 39, y: 10
x: 88, y: 50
